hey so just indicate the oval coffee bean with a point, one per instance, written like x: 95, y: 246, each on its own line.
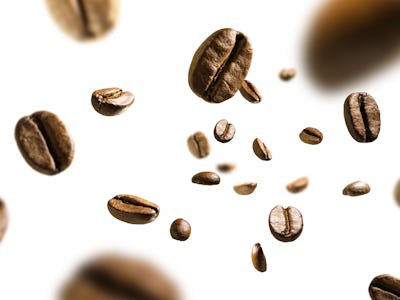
x: 85, y: 19
x: 286, y: 224
x: 245, y: 188
x: 298, y: 185
x: 44, y: 142
x: 397, y: 192
x: 311, y: 136
x: 261, y: 150
x: 3, y: 219
x: 356, y: 188
x: 133, y: 209
x: 206, y: 178
x: 180, y: 229
x: 224, y: 131
x: 220, y: 65
x: 258, y: 258
x: 111, y: 101
x: 385, y: 287
x: 287, y: 74
x: 226, y: 167
x: 250, y: 92
x: 198, y: 145
x: 362, y: 117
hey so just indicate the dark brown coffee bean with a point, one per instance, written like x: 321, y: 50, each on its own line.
x: 258, y: 258
x: 286, y: 224
x: 220, y: 65
x: 287, y: 74
x: 44, y: 142
x: 3, y: 219
x: 85, y: 19
x: 245, y: 188
x: 198, y: 145
x: 362, y: 116
x: 133, y: 209
x: 311, y: 136
x: 180, y: 230
x: 385, y: 287
x: 260, y: 150
x: 206, y: 178
x: 111, y: 101
x: 115, y: 277
x: 298, y: 185
x: 226, y: 167
x: 356, y: 188
x: 250, y: 92
x: 224, y: 131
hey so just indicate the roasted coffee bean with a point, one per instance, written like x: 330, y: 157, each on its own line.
x: 198, y: 145
x: 356, y: 188
x: 111, y: 101
x: 3, y: 219
x: 133, y: 209
x: 397, y: 192
x: 180, y: 230
x: 220, y: 65
x: 224, y: 131
x: 226, y: 167
x: 44, y: 142
x: 287, y: 74
x: 311, y: 136
x: 286, y: 224
x: 362, y: 116
x: 250, y: 92
x: 114, y: 277
x: 206, y: 178
x: 385, y: 287
x: 245, y: 188
x: 85, y: 19
x: 260, y: 150
x: 258, y: 258
x: 298, y: 185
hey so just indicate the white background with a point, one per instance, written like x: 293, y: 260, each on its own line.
x: 56, y: 222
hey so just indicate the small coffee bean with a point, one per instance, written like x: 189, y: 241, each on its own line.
x: 245, y: 188
x: 180, y: 230
x: 298, y: 185
x: 198, y: 145
x: 224, y: 131
x: 260, y: 150
x: 250, y: 92
x: 311, y: 136
x: 44, y: 142
x: 206, y: 178
x: 111, y: 101
x: 220, y: 65
x: 356, y: 188
x: 397, y: 192
x: 3, y: 219
x: 133, y: 209
x: 362, y: 117
x: 287, y: 74
x: 385, y: 287
x: 286, y: 224
x: 258, y: 258
x: 226, y: 167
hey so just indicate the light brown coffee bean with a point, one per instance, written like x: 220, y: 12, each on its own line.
x: 3, y: 219
x: 133, y: 209
x: 261, y: 150
x: 206, y: 178
x: 258, y: 258
x: 356, y: 188
x: 245, y: 188
x: 311, y: 136
x: 111, y: 101
x: 286, y: 224
x: 198, y: 145
x: 287, y: 74
x: 384, y: 287
x: 44, y: 142
x: 397, y: 192
x: 250, y: 92
x: 224, y: 131
x: 298, y: 185
x: 180, y: 229
x: 226, y: 167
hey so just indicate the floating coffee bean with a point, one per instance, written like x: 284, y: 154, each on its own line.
x: 245, y: 188
x: 356, y: 188
x: 198, y: 145
x: 85, y: 19
x: 260, y: 150
x: 111, y: 101
x: 311, y: 136
x: 298, y: 185
x: 385, y: 287
x: 44, y: 142
x: 224, y: 131
x: 286, y: 224
x: 250, y: 92
x: 3, y: 219
x: 220, y: 65
x: 287, y: 74
x: 206, y: 178
x: 362, y: 116
x: 133, y: 209
x: 397, y: 192
x: 226, y: 167
x: 180, y: 230
x: 258, y: 258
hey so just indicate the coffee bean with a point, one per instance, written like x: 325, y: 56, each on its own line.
x: 133, y: 209
x: 85, y: 19
x: 3, y: 219
x: 180, y: 230
x: 111, y: 101
x: 245, y: 188
x: 356, y: 188
x: 258, y: 258
x: 226, y: 167
x: 385, y: 287
x: 286, y: 224
x: 397, y: 192
x: 250, y: 92
x: 311, y: 136
x: 198, y: 145
x: 220, y: 65
x: 362, y: 116
x: 260, y: 150
x: 298, y: 185
x: 206, y: 178
x: 44, y: 142
x: 224, y: 131
x: 114, y: 277
x: 287, y: 74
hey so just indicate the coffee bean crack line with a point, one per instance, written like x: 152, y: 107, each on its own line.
x: 287, y: 223
x: 85, y: 19
x: 311, y: 133
x: 364, y: 115
x: 197, y: 143
x: 133, y: 202
x: 387, y: 288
